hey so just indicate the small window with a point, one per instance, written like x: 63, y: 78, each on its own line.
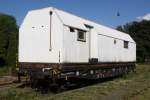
x: 33, y: 27
x: 126, y: 43
x: 72, y: 29
x: 81, y: 35
x: 115, y: 41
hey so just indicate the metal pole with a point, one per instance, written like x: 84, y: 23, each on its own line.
x: 50, y: 48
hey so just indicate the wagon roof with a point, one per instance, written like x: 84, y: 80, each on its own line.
x: 78, y: 22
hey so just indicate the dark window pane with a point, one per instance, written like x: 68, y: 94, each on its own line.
x: 126, y: 44
x: 72, y: 29
x: 115, y: 41
x: 81, y: 36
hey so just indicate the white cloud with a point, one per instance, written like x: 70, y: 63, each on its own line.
x: 145, y: 17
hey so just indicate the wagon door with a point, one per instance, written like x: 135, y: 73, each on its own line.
x: 93, y: 45
x: 76, y: 45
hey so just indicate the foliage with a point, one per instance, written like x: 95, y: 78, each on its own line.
x: 140, y: 32
x: 8, y: 40
x: 5, y: 71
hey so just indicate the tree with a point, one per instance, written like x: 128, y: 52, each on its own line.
x: 140, y: 32
x: 8, y: 40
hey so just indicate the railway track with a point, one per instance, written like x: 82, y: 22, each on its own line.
x: 7, y: 80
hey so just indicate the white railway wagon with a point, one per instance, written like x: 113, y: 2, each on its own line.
x: 70, y: 46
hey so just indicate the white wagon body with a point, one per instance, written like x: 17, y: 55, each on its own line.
x: 66, y: 45
x: 46, y: 38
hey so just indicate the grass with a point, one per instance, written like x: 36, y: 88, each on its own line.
x: 134, y: 86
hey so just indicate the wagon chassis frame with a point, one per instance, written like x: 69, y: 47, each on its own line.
x: 69, y: 71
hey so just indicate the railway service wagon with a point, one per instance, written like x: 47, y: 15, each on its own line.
x: 59, y: 45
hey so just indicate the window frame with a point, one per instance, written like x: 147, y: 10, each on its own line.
x: 126, y: 44
x: 84, y: 35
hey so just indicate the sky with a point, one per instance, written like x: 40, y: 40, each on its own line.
x: 101, y: 11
